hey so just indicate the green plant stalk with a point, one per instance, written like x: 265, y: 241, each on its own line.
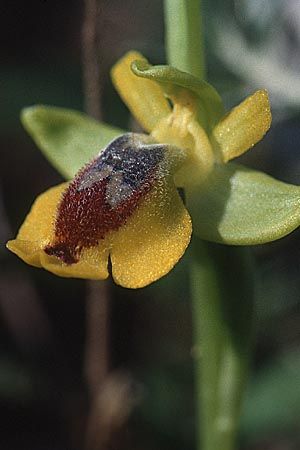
x: 222, y: 291
x: 221, y: 280
x: 183, y: 36
x: 208, y: 334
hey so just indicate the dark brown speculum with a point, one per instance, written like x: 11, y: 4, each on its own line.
x: 104, y: 195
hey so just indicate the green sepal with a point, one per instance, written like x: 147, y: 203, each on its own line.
x: 240, y: 206
x: 210, y: 106
x: 67, y: 138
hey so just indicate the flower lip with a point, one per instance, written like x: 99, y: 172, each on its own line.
x: 104, y: 195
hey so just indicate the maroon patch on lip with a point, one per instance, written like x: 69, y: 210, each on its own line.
x: 84, y: 216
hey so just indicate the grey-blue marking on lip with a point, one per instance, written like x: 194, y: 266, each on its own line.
x: 125, y: 164
x: 117, y: 191
x: 93, y: 175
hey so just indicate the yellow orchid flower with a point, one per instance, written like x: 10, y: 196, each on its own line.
x: 124, y: 205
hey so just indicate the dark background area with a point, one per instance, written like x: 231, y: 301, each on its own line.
x: 43, y: 395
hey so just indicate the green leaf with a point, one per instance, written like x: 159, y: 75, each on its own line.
x: 240, y: 206
x: 210, y: 103
x: 68, y: 139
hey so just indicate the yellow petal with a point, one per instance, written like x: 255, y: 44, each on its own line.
x: 37, y: 229
x: 243, y: 126
x: 143, y: 250
x: 92, y: 264
x: 37, y: 232
x: 29, y: 251
x: 153, y: 240
x: 144, y: 98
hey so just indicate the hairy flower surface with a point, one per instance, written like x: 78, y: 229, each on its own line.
x: 124, y: 204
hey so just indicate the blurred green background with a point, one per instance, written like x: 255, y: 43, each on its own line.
x: 43, y: 397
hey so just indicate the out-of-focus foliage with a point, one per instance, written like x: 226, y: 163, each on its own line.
x: 273, y: 400
x: 259, y: 42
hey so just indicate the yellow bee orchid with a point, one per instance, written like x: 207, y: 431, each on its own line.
x: 124, y: 204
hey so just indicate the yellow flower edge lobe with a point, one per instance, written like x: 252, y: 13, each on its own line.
x: 144, y: 98
x: 243, y: 126
x: 153, y: 240
x: 142, y: 251
x: 37, y: 231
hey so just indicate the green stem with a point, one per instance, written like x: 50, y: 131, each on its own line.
x: 184, y: 39
x: 208, y: 333
x: 221, y: 280
x: 222, y: 292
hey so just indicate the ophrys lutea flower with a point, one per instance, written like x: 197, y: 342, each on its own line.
x: 124, y: 205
